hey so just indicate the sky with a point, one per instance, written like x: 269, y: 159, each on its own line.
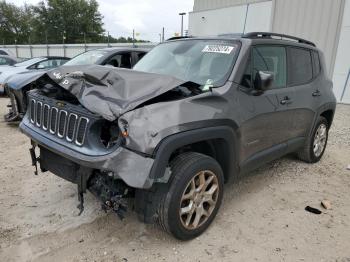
x: 147, y: 17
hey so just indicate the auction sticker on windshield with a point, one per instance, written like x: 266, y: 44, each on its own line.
x: 223, y: 49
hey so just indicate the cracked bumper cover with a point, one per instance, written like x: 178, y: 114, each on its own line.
x: 134, y: 169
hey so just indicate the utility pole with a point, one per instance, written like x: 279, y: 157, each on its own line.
x: 108, y: 38
x: 85, y: 41
x: 47, y: 44
x: 163, y: 34
x: 160, y: 38
x: 182, y: 23
x: 133, y: 38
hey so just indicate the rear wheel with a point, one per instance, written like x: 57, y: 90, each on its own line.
x: 193, y: 196
x: 316, y: 144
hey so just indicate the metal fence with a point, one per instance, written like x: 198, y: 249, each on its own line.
x: 67, y: 50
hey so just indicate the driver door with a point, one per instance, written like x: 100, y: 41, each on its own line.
x: 266, y: 121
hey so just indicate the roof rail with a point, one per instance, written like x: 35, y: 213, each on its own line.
x: 282, y: 36
x: 178, y: 37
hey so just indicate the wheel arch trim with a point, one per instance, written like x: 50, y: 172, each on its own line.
x: 169, y: 144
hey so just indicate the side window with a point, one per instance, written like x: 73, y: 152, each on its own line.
x: 316, y: 63
x: 3, y: 61
x: 299, y: 66
x: 61, y: 62
x: 120, y: 60
x: 47, y: 64
x: 140, y: 55
x: 273, y: 60
x: 43, y: 65
x: 2, y: 52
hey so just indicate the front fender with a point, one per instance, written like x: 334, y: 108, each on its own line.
x: 168, y: 145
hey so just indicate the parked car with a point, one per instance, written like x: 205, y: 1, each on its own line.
x: 38, y: 63
x: 19, y: 84
x: 6, y: 60
x: 5, y: 51
x: 194, y: 114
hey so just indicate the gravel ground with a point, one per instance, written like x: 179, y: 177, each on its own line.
x: 262, y: 217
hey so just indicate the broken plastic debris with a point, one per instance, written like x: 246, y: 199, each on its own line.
x: 326, y: 204
x: 313, y: 210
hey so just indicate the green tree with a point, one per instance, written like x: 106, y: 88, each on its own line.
x: 71, y: 21
x: 15, y: 23
x: 54, y: 22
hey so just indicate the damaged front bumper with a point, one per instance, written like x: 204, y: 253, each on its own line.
x: 131, y: 167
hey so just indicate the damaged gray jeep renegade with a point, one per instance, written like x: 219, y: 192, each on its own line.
x: 194, y: 114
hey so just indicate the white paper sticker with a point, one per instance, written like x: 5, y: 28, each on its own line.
x: 222, y: 49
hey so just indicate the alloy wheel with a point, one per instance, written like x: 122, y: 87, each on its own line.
x: 320, y: 140
x: 199, y: 199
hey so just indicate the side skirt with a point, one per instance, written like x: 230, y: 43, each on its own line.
x: 261, y: 158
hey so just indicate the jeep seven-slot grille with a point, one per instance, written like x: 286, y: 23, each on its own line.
x: 58, y: 122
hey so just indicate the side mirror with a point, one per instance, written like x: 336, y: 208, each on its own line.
x: 263, y: 80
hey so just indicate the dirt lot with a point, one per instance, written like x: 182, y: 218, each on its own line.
x: 262, y: 217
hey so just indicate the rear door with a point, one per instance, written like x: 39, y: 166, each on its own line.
x: 303, y: 77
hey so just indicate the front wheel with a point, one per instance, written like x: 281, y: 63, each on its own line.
x: 193, y: 196
x: 316, y: 144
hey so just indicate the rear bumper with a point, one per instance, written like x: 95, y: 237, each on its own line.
x: 132, y: 168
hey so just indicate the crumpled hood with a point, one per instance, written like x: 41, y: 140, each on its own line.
x: 108, y: 91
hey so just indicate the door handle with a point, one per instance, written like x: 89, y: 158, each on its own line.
x: 285, y: 101
x: 316, y: 93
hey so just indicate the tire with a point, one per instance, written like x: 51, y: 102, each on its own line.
x: 309, y: 154
x: 188, y: 169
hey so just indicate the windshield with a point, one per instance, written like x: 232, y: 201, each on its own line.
x: 205, y: 62
x: 87, y: 58
x: 30, y: 61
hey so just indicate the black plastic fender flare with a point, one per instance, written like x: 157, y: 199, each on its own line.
x: 169, y: 144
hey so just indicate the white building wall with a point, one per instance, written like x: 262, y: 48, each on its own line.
x: 201, y: 5
x: 316, y: 20
x: 341, y: 76
x: 231, y: 19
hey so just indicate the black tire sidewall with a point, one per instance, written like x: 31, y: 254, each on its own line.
x: 313, y: 157
x: 175, y: 195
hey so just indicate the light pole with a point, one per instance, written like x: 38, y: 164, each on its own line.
x: 182, y: 23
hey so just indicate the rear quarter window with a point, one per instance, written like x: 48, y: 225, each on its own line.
x: 316, y: 63
x: 299, y: 66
